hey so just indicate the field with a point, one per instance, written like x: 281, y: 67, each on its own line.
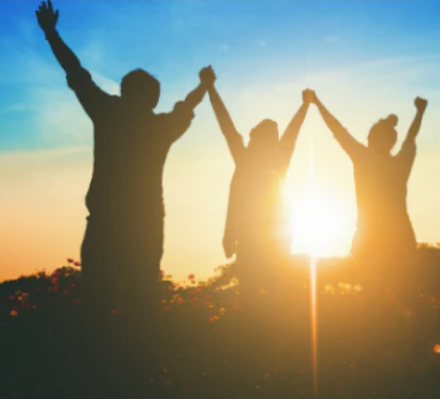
x: 378, y: 336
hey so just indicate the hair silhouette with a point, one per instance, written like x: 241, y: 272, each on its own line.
x: 383, y: 135
x: 139, y: 86
x: 265, y: 132
x: 384, y: 228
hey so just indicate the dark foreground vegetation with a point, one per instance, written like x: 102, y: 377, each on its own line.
x: 378, y: 336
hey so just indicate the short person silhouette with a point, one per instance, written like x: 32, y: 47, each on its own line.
x: 256, y: 227
x: 384, y: 229
x: 124, y: 235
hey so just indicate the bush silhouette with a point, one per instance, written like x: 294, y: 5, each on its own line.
x: 373, y: 336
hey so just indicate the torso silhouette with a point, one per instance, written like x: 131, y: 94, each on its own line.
x: 255, y: 213
x: 383, y: 222
x: 131, y: 147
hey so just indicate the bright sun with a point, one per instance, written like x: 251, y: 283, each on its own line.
x: 320, y: 225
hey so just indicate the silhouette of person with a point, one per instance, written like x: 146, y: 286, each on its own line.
x: 124, y: 235
x: 384, y: 229
x: 255, y: 225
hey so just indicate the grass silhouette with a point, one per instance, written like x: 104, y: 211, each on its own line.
x: 378, y: 336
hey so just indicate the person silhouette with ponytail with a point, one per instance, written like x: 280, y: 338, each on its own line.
x: 257, y: 230
x: 384, y: 230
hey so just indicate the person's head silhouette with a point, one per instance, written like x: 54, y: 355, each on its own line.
x: 138, y: 87
x: 383, y: 135
x: 264, y: 136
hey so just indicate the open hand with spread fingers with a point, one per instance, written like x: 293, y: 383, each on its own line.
x: 47, y: 17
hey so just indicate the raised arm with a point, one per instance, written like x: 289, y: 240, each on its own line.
x: 47, y: 19
x: 196, y: 96
x: 91, y: 97
x: 180, y: 118
x: 407, y: 153
x: 414, y: 129
x: 348, y: 143
x: 233, y: 138
x: 288, y: 140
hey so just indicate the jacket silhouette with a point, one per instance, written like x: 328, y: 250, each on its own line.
x: 124, y: 236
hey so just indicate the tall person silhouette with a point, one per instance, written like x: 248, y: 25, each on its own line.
x: 256, y: 229
x: 124, y: 235
x: 384, y: 230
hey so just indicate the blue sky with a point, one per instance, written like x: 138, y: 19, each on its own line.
x: 245, y: 41
x: 365, y: 59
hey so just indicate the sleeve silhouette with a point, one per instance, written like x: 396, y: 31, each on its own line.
x: 233, y: 138
x: 182, y: 115
x: 79, y: 79
x: 288, y: 140
x: 348, y: 143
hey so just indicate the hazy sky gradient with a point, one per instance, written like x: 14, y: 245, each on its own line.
x: 365, y: 59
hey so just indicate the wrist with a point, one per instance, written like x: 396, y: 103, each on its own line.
x: 206, y: 85
x: 51, y: 32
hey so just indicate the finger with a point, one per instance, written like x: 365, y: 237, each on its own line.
x: 49, y: 5
x: 57, y: 14
x: 41, y: 8
x: 44, y: 6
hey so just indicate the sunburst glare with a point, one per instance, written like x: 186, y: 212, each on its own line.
x: 320, y: 223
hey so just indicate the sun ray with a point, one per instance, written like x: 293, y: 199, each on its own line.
x: 313, y: 250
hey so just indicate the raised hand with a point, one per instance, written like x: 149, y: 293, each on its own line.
x: 309, y: 96
x: 207, y: 76
x: 46, y: 16
x: 420, y: 104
